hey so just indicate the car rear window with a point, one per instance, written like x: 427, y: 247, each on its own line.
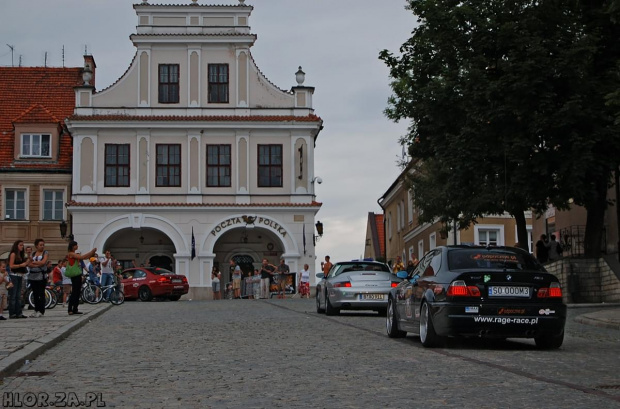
x: 346, y: 268
x: 160, y: 271
x: 490, y: 259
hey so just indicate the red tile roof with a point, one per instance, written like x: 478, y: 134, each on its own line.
x: 74, y: 203
x: 36, y: 95
x: 203, y: 118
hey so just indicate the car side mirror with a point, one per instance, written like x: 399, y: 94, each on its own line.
x: 402, y: 274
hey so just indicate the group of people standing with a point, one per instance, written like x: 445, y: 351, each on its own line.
x: 259, y: 282
x: 548, y: 250
x: 34, y: 266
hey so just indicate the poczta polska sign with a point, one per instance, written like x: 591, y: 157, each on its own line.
x: 248, y: 220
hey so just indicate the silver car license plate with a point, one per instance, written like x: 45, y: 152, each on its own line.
x: 372, y: 296
x: 509, y: 291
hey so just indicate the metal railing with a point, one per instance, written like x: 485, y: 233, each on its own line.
x: 572, y: 240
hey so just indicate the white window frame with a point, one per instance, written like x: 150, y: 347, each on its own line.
x: 31, y: 137
x: 389, y: 225
x: 62, y: 189
x: 485, y: 227
x: 410, y: 253
x: 530, y: 238
x: 398, y: 217
x: 402, y: 216
x: 432, y: 241
x: 420, y: 249
x: 26, y: 191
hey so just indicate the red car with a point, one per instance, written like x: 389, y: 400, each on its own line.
x: 148, y: 282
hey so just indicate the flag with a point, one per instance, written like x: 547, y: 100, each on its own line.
x: 193, y: 245
x: 304, y: 234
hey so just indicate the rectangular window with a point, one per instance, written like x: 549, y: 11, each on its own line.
x: 218, y: 83
x: 487, y: 237
x: 218, y: 165
x: 117, y: 165
x: 169, y: 83
x: 168, y: 165
x: 53, y: 202
x: 270, y: 165
x: 35, y: 145
x: 15, y: 204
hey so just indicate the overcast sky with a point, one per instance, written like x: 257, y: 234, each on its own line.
x: 337, y: 42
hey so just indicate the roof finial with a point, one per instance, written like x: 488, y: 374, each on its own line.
x: 300, y: 76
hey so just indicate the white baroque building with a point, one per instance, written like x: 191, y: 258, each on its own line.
x: 193, y: 143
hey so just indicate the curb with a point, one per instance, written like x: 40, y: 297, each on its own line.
x: 595, y: 322
x: 14, y: 361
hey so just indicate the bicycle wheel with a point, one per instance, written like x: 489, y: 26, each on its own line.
x: 30, y: 298
x: 50, y: 299
x: 92, y: 294
x: 117, y: 297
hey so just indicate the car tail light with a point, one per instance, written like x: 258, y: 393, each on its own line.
x: 554, y: 291
x: 162, y: 279
x: 343, y: 284
x: 458, y: 288
x: 184, y: 280
x: 394, y: 284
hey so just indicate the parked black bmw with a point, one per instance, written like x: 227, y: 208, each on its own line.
x: 498, y: 292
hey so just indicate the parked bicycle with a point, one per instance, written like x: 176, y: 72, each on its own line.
x: 51, y: 298
x: 93, y: 293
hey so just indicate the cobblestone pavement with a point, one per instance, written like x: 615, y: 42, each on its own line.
x: 281, y: 353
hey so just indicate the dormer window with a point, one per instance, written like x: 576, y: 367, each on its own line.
x: 36, y: 145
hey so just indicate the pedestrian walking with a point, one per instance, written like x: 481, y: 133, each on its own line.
x: 108, y: 265
x: 282, y: 271
x: 266, y: 272
x: 37, y: 277
x: 76, y: 281
x: 18, y: 263
x: 236, y: 277
x: 554, y: 248
x: 216, y: 277
x: 4, y: 292
x: 256, y: 284
x: 304, y: 281
x: 542, y: 251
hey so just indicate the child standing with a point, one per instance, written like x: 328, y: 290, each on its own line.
x: 4, y: 281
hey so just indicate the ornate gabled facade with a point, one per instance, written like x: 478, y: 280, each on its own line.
x: 193, y: 144
x: 35, y: 154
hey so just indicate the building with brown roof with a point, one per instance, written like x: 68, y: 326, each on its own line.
x: 35, y: 153
x: 193, y: 151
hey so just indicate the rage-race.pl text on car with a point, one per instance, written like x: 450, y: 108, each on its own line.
x: 498, y: 292
x: 355, y: 285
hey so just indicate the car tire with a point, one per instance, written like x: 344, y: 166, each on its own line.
x: 318, y: 303
x: 428, y: 336
x: 548, y: 341
x: 174, y: 297
x: 329, y: 309
x: 145, y: 294
x: 391, y: 322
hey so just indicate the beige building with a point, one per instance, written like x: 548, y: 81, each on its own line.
x: 405, y: 236
x: 193, y: 158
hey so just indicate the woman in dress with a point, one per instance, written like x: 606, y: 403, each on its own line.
x: 18, y: 263
x: 76, y: 282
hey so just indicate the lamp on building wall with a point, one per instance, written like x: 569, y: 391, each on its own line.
x: 319, y: 231
x: 63, y: 230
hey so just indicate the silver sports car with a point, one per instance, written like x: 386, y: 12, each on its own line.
x: 355, y: 285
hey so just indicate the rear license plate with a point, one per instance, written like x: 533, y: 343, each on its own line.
x: 176, y: 287
x: 176, y: 280
x: 372, y: 296
x: 509, y: 291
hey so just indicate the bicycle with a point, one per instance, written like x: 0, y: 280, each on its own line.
x: 51, y: 298
x: 93, y: 293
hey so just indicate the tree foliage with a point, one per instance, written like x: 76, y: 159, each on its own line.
x: 510, y: 103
